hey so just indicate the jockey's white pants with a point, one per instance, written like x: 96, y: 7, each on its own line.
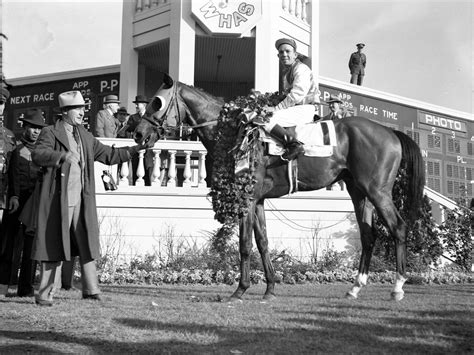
x: 291, y: 116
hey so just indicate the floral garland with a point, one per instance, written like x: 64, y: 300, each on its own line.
x: 231, y: 193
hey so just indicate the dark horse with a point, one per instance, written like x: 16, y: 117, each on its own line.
x: 367, y: 158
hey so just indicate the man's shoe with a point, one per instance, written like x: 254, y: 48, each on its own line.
x: 69, y: 288
x: 43, y: 303
x: 26, y: 293
x: 95, y: 297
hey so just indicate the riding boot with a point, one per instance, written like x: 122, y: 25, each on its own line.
x: 293, y: 147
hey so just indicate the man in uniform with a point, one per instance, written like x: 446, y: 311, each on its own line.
x: 106, y: 123
x: 7, y: 145
x: 357, y: 63
x: 22, y: 175
x: 301, y: 93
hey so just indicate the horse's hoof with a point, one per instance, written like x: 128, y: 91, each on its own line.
x: 397, y: 296
x: 269, y: 297
x: 351, y: 296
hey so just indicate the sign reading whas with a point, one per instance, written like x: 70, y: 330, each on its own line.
x: 227, y: 17
x: 44, y: 96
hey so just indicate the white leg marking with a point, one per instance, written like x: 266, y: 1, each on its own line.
x: 399, y: 282
x: 361, y: 280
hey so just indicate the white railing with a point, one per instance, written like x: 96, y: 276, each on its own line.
x: 143, y: 5
x: 166, y: 164
x: 296, y: 8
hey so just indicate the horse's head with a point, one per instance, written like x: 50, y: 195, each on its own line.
x: 164, y: 104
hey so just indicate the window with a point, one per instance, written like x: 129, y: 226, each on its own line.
x: 469, y: 148
x: 433, y: 167
x: 414, y: 135
x: 434, y: 141
x: 454, y: 146
x: 434, y: 184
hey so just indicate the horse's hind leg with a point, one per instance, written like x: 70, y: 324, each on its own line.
x: 398, y: 229
x: 245, y: 248
x: 364, y: 214
x: 260, y: 230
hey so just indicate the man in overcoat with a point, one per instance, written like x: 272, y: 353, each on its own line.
x: 106, y: 123
x: 357, y: 63
x: 67, y: 212
x: 336, y: 109
x: 22, y: 177
x: 8, y: 144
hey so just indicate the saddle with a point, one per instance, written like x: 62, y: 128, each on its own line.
x: 319, y: 139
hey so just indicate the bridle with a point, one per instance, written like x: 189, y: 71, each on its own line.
x: 174, y: 104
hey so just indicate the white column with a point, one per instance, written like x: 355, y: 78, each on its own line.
x: 129, y: 57
x: 187, y: 169
x: 182, y: 42
x: 202, y: 169
x: 124, y: 171
x: 156, y: 168
x: 172, y: 169
x: 313, y: 20
x: 266, y: 60
x: 140, y: 169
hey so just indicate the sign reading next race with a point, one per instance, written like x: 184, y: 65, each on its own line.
x: 227, y: 17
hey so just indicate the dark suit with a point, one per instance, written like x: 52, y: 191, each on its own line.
x: 67, y: 203
x: 357, y: 63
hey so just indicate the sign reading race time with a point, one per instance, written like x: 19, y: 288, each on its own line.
x: 44, y: 96
x: 227, y: 17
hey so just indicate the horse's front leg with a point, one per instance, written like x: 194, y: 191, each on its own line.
x: 245, y: 246
x: 260, y: 230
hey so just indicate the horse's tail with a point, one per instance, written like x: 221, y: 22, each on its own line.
x: 412, y: 162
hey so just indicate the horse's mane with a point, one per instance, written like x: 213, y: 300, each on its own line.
x: 204, y: 94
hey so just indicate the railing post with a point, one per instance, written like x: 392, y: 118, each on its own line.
x: 139, y: 6
x: 124, y: 171
x: 172, y: 169
x: 156, y: 168
x: 202, y: 169
x: 187, y: 169
x: 140, y: 169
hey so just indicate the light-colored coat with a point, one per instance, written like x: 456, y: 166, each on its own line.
x: 106, y: 124
x: 52, y: 240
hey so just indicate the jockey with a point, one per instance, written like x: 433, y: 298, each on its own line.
x: 298, y: 106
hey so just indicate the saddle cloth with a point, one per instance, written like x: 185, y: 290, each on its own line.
x: 319, y: 139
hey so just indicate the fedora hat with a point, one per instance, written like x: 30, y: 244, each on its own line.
x: 334, y: 98
x: 141, y: 98
x: 111, y: 99
x: 289, y: 41
x: 34, y: 117
x: 360, y: 45
x: 71, y: 98
x: 122, y: 110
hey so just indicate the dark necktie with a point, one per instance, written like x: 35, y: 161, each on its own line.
x: 75, y: 134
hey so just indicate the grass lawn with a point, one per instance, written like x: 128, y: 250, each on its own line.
x: 192, y: 319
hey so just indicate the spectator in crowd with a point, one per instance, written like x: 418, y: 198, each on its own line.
x: 357, y: 63
x: 22, y: 175
x: 336, y: 108
x: 140, y: 102
x: 300, y: 90
x: 8, y: 144
x: 67, y: 213
x: 106, y: 123
x: 122, y: 117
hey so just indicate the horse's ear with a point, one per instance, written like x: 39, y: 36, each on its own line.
x: 158, y: 103
x: 168, y: 81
